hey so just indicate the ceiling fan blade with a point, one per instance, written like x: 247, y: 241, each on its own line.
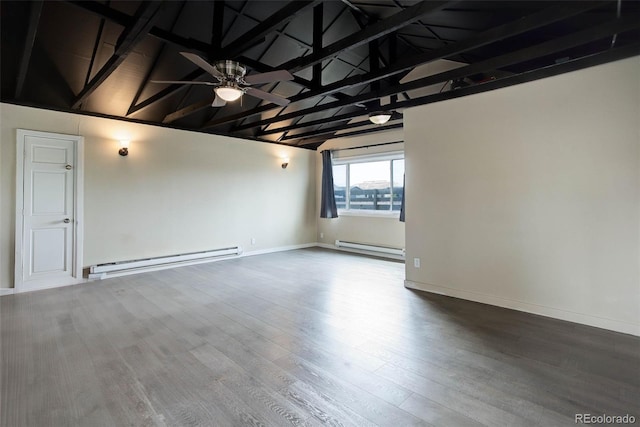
x: 218, y: 102
x: 271, y: 76
x: 184, y: 82
x: 203, y: 64
x: 276, y: 99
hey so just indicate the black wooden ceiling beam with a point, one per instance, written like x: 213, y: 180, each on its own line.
x: 323, y: 121
x: 393, y: 57
x: 356, y: 132
x: 94, y: 51
x: 522, y: 25
x: 373, y: 31
x: 318, y: 15
x: 380, y: 128
x: 35, y: 10
x: 374, y: 66
x: 536, y: 51
x: 127, y: 41
x: 217, y: 23
x: 326, y: 131
x: 184, y: 112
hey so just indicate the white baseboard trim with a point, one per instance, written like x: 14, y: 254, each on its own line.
x: 6, y: 291
x: 570, y: 316
x: 360, y: 251
x: 278, y: 249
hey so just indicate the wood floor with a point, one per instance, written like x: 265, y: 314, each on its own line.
x: 308, y: 337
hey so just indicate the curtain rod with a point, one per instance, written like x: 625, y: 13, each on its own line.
x: 366, y: 146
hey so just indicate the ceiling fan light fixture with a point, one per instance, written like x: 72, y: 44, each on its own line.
x: 379, y: 117
x: 229, y: 92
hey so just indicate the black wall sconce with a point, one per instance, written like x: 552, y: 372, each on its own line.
x: 124, y: 147
x: 285, y: 162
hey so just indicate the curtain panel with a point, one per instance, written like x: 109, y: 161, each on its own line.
x: 328, y: 207
x: 404, y: 182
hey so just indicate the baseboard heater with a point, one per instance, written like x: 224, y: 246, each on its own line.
x: 396, y: 253
x: 123, y: 268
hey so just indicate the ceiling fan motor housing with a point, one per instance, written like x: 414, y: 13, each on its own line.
x: 232, y: 70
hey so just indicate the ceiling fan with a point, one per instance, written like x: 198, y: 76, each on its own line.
x: 233, y: 81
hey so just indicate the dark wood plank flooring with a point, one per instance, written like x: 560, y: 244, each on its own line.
x: 308, y: 337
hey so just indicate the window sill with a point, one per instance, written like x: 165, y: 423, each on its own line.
x: 369, y: 214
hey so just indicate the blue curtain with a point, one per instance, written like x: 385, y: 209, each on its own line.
x: 402, y: 200
x: 328, y: 207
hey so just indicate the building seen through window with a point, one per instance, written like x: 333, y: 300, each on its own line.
x: 375, y: 185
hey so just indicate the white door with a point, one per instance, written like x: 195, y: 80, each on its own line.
x: 48, y: 211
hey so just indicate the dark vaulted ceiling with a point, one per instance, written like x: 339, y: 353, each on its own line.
x: 348, y: 57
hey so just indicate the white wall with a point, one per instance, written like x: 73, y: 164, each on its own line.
x: 385, y: 231
x: 176, y: 192
x: 528, y: 197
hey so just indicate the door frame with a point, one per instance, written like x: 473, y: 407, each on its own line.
x: 78, y: 211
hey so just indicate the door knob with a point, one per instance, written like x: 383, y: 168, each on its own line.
x: 66, y: 220
x: 68, y: 167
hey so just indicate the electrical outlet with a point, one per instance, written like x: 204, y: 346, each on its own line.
x: 322, y: 235
x: 253, y: 240
x: 416, y: 262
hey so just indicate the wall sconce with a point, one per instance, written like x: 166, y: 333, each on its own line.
x: 285, y: 162
x: 124, y: 147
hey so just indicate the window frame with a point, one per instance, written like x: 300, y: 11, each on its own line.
x: 368, y: 158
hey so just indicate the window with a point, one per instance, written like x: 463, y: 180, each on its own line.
x: 371, y: 184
